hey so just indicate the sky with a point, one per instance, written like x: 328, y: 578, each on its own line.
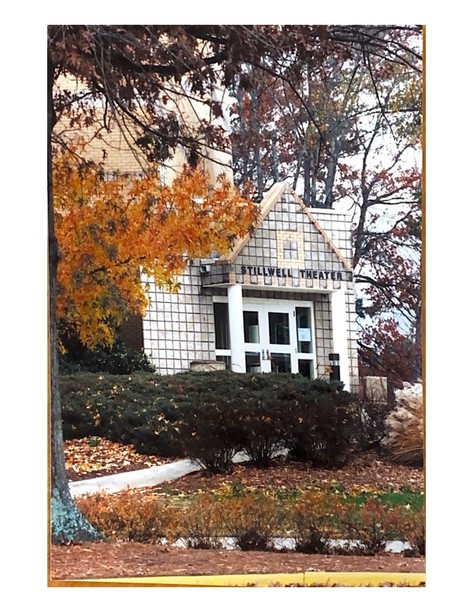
x: 446, y: 280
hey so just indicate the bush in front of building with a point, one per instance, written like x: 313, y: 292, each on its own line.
x: 207, y: 432
x: 131, y: 409
x: 210, y: 416
x: 224, y: 413
x: 121, y: 408
x: 321, y: 428
x: 261, y: 426
x: 371, y: 423
x: 117, y: 359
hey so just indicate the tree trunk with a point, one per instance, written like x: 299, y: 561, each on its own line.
x: 333, y: 154
x: 257, y: 152
x: 67, y: 523
x: 274, y: 162
x: 307, y: 177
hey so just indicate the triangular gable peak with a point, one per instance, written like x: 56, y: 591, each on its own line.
x: 288, y: 249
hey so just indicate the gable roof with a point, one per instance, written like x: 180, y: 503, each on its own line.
x: 271, y: 198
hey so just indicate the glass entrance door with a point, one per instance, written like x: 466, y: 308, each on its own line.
x: 279, y: 325
x: 279, y: 337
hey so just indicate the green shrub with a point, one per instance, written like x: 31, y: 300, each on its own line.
x: 121, y: 408
x: 261, y: 427
x: 209, y: 416
x: 321, y: 428
x: 103, y: 405
x: 207, y: 433
x: 117, y: 359
x: 370, y: 423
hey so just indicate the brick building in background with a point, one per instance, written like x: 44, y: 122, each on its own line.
x: 282, y: 300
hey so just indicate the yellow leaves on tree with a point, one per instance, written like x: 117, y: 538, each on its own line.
x: 111, y: 229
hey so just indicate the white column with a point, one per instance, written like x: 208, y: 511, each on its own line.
x: 340, y: 335
x: 235, y: 320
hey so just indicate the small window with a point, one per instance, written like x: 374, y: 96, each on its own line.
x: 290, y: 249
x: 281, y: 362
x: 252, y: 362
x: 279, y: 328
x: 306, y: 368
x: 251, y: 326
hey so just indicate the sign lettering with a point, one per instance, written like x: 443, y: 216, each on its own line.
x: 291, y: 272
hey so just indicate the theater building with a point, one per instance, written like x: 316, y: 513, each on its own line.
x: 282, y: 301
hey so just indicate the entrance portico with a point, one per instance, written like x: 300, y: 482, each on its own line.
x: 270, y: 335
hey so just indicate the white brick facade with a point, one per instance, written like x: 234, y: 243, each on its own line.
x: 295, y: 261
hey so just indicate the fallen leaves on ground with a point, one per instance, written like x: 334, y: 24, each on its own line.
x: 94, y: 456
x: 363, y: 472
x: 90, y: 457
x: 116, y: 559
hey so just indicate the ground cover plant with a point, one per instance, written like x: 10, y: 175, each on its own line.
x: 252, y: 520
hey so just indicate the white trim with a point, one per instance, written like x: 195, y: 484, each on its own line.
x: 340, y: 335
x: 235, y: 321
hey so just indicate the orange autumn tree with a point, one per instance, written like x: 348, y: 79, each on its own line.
x: 111, y: 229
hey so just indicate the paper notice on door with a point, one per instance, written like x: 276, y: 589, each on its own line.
x: 303, y: 334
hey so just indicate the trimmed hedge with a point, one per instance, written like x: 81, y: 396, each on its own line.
x: 210, y: 416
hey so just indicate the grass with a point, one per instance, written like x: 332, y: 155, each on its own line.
x: 413, y: 500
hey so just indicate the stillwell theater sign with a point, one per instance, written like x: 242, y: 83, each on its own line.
x: 294, y: 273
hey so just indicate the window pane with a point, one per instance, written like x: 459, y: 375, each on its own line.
x: 278, y: 328
x: 280, y: 362
x: 222, y: 329
x: 290, y: 249
x: 304, y: 334
x: 251, y: 326
x: 306, y: 367
x: 253, y: 363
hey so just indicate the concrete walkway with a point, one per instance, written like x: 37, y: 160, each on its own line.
x: 140, y: 478
x: 130, y: 480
